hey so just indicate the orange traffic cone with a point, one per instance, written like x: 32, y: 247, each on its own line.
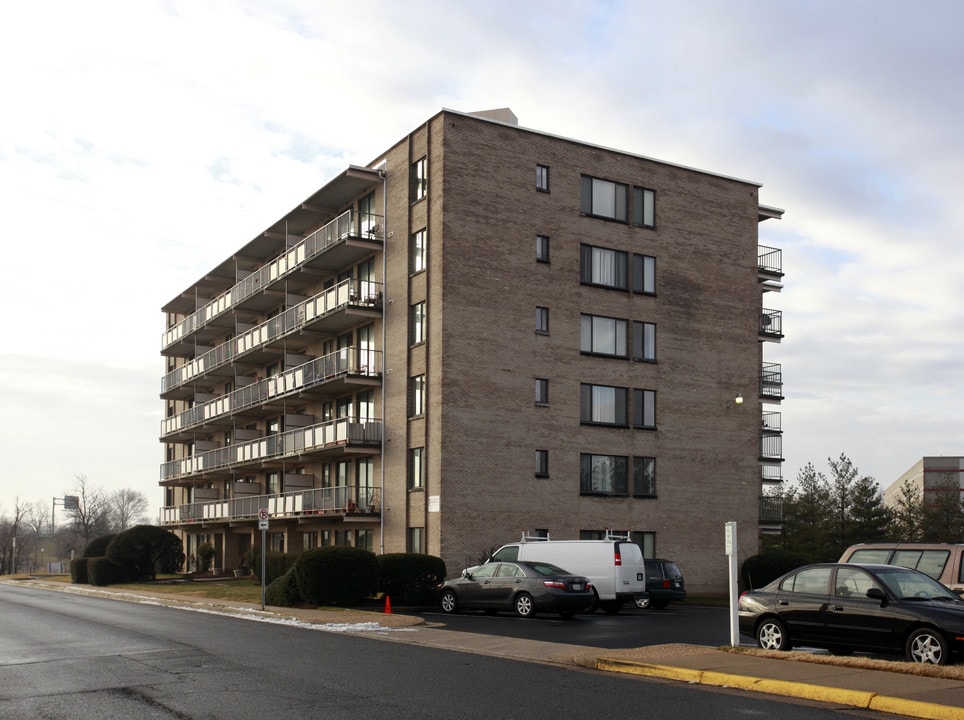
x: 388, y: 605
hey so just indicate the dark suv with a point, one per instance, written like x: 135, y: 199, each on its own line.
x: 664, y: 581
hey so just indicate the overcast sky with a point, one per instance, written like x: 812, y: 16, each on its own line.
x: 142, y: 142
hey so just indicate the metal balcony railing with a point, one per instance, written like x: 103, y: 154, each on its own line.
x: 350, y: 292
x: 365, y: 225
x: 771, y: 323
x: 771, y: 474
x: 342, y: 363
x: 771, y: 509
x: 341, y: 500
x: 343, y: 432
x: 771, y: 422
x: 771, y: 381
x: 770, y: 260
x: 771, y: 448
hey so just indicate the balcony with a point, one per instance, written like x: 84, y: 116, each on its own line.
x: 343, y: 503
x: 771, y: 514
x: 346, y: 239
x: 771, y: 474
x: 770, y: 268
x: 330, y: 311
x: 771, y: 438
x: 771, y: 382
x: 330, y: 375
x: 771, y: 325
x: 334, y: 437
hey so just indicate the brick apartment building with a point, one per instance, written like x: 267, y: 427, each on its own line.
x: 485, y: 331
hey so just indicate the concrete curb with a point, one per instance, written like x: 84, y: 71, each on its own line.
x: 852, y: 698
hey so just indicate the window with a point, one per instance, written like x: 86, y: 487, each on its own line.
x: 644, y: 341
x: 416, y: 540
x: 646, y: 541
x: 416, y: 396
x: 416, y: 467
x: 644, y: 477
x: 602, y: 198
x: 644, y: 408
x: 418, y: 180
x: 812, y: 580
x: 542, y: 320
x: 542, y: 391
x: 602, y: 335
x: 599, y: 266
x: 644, y: 207
x: 602, y: 475
x: 542, y: 248
x: 364, y: 539
x: 602, y: 404
x: 273, y: 483
x: 644, y: 274
x: 416, y: 324
x: 542, y: 178
x: 542, y: 463
x: 416, y: 260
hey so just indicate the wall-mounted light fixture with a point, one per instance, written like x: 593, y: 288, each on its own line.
x: 738, y: 400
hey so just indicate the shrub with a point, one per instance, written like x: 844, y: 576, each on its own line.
x: 759, y: 570
x: 101, y: 571
x: 78, y: 570
x: 145, y: 550
x: 205, y: 554
x: 411, y: 578
x: 283, y: 592
x: 275, y: 564
x: 338, y: 575
x: 98, y: 546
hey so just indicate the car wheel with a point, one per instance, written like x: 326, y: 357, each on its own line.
x: 926, y: 645
x: 567, y: 613
x: 524, y: 607
x: 771, y: 634
x: 449, y: 601
x: 594, y: 604
x: 643, y: 603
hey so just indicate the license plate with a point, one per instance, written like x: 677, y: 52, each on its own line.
x: 577, y: 587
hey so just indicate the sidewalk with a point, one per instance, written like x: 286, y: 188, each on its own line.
x: 877, y: 688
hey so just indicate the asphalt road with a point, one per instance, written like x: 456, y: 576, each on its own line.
x: 70, y: 657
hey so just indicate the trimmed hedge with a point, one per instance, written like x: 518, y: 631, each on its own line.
x: 98, y: 546
x: 275, y: 564
x: 101, y: 571
x: 145, y: 550
x: 337, y: 575
x: 78, y: 570
x: 411, y: 578
x: 283, y: 591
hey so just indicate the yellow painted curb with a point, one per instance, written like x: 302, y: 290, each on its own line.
x: 840, y: 696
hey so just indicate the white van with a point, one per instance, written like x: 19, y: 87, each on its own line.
x: 942, y: 561
x: 613, y: 565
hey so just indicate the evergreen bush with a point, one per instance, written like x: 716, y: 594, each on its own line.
x: 145, y: 550
x: 101, y: 572
x: 78, y: 570
x: 411, y: 578
x: 337, y: 575
x: 98, y: 546
x: 283, y: 592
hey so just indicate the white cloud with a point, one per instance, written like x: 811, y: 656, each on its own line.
x: 157, y: 137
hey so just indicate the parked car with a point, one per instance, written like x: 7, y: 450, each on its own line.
x: 846, y: 607
x: 524, y: 587
x: 664, y: 582
x: 942, y: 561
x: 614, y: 565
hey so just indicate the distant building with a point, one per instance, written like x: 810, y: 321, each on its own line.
x: 927, y: 475
x: 487, y: 330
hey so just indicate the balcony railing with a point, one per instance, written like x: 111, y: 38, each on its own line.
x: 770, y: 260
x: 341, y: 500
x: 342, y: 363
x: 771, y: 323
x: 771, y: 509
x: 340, y: 433
x: 771, y: 474
x: 771, y: 381
x: 350, y: 292
x: 365, y: 225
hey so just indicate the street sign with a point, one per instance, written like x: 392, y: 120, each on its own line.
x: 263, y: 514
x: 262, y: 524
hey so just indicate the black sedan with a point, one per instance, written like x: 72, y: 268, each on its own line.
x: 846, y: 607
x: 523, y: 587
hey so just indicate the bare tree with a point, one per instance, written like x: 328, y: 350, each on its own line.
x: 89, y: 519
x: 127, y: 508
x: 11, y: 549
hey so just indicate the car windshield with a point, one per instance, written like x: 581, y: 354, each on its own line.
x: 910, y: 585
x: 547, y: 568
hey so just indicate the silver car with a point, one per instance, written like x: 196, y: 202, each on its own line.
x: 522, y: 587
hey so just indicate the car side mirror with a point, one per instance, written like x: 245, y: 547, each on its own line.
x: 877, y: 594
x: 467, y: 575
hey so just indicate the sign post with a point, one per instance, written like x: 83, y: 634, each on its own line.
x: 263, y: 526
x: 731, y: 551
